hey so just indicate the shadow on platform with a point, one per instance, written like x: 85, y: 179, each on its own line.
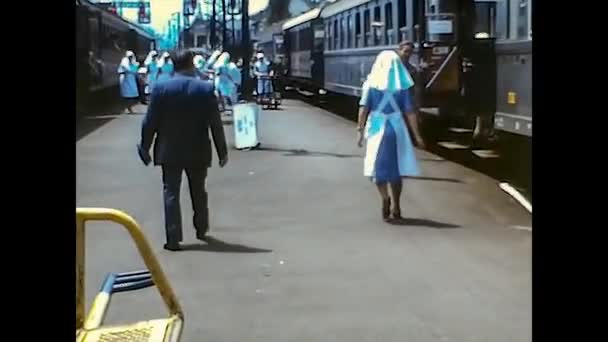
x: 86, y: 126
x: 422, y: 223
x: 306, y: 153
x: 90, y: 119
x: 436, y: 179
x: 216, y: 245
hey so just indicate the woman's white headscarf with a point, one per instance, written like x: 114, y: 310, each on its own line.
x: 388, y: 73
x: 126, y: 62
x: 165, y: 58
x: 212, y: 59
x: 150, y: 57
x: 222, y: 60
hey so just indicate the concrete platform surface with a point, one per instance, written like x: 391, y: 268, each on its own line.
x: 302, y: 254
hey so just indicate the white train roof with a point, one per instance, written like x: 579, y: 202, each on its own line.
x: 301, y: 19
x: 341, y: 6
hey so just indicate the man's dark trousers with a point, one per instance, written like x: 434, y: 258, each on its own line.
x: 172, y: 180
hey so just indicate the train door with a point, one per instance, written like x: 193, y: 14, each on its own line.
x: 438, y: 32
x: 317, y: 35
x: 479, y: 67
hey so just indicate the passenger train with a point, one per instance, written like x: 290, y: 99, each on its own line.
x: 102, y: 38
x: 478, y: 52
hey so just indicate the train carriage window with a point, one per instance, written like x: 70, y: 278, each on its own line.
x: 366, y: 28
x: 376, y: 31
x: 94, y: 35
x: 349, y: 40
x: 301, y: 40
x: 331, y: 36
x: 402, y: 18
x: 298, y: 39
x: 298, y: 36
x: 357, y: 29
x: 309, y: 38
x: 294, y: 40
x: 388, y: 19
x: 502, y: 19
x: 530, y: 19
x: 318, y: 37
x: 336, y: 37
x: 342, y: 34
x: 518, y: 19
x: 522, y: 20
x: 327, y: 36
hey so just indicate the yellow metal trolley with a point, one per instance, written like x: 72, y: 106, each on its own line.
x: 90, y: 328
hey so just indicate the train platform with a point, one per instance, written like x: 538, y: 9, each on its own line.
x: 299, y: 251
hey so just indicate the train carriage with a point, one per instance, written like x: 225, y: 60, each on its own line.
x: 102, y: 39
x: 304, y: 37
x: 478, y: 52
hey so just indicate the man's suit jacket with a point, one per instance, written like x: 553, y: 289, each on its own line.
x: 180, y: 114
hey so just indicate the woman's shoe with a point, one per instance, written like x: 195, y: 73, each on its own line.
x: 386, y: 209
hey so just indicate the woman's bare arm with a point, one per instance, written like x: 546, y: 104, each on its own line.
x: 413, y: 121
x: 362, y: 119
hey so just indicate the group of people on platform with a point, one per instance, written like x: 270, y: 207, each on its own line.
x: 184, y: 109
x: 137, y: 82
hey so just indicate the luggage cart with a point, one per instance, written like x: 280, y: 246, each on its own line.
x: 91, y: 328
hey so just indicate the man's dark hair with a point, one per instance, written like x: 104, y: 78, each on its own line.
x: 183, y: 59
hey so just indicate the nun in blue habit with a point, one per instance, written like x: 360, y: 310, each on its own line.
x: 385, y: 106
x: 127, y: 71
x: 226, y: 79
x: 151, y: 65
x: 165, y: 67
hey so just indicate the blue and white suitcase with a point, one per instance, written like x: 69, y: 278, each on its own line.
x: 246, y: 118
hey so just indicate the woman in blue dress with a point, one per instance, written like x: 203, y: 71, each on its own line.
x: 127, y: 71
x: 151, y: 70
x: 165, y: 67
x: 226, y: 79
x: 384, y: 107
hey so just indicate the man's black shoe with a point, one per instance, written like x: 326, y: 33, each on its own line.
x: 202, y: 236
x: 172, y: 247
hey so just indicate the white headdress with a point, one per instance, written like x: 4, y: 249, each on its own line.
x: 125, y: 62
x: 214, y: 56
x: 222, y: 60
x: 150, y: 56
x: 165, y: 58
x: 389, y: 73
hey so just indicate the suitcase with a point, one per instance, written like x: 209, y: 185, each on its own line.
x: 246, y: 118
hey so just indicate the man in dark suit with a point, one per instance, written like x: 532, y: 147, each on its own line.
x: 182, y: 110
